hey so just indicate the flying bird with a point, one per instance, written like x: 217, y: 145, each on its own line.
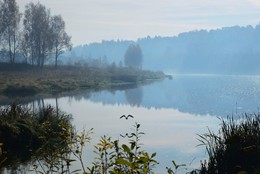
x: 126, y: 135
x: 126, y: 117
x: 130, y: 116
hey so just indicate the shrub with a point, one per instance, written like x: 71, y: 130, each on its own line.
x: 116, y: 158
x: 20, y: 91
x: 24, y: 133
x: 236, y: 148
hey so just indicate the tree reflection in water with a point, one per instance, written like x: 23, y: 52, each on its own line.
x: 134, y: 96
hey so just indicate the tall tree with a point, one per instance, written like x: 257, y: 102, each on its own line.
x: 1, y: 20
x: 61, y: 40
x: 10, y: 20
x: 134, y: 56
x: 37, y: 33
x: 2, y: 27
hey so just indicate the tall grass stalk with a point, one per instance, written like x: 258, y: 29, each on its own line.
x: 235, y: 148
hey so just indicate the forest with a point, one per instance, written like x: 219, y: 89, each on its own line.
x: 24, y: 39
x: 229, y: 50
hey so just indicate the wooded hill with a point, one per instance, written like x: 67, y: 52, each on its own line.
x: 230, y: 50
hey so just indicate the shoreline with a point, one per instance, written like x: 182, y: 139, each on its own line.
x: 50, y: 81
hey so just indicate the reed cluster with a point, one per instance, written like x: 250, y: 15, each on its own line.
x: 235, y: 148
x: 24, y: 132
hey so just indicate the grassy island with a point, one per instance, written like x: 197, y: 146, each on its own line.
x: 23, y: 79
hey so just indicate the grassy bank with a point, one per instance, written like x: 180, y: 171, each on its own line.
x: 27, y: 135
x: 29, y: 80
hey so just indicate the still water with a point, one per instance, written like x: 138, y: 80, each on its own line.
x: 171, y: 113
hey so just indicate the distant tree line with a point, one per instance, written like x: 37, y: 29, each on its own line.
x: 134, y: 56
x: 229, y: 50
x: 35, y: 36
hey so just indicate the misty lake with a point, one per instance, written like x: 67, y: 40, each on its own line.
x: 171, y: 112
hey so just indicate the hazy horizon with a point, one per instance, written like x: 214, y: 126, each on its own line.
x: 89, y: 21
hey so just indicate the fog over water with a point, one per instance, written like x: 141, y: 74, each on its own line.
x: 210, y: 49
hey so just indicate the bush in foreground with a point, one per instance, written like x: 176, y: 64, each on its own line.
x: 236, y: 148
x: 23, y: 133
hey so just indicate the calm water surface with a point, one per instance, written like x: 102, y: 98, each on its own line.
x: 171, y: 112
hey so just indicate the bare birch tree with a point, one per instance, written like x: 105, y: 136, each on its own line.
x: 10, y: 18
x: 37, y: 35
x: 61, y: 40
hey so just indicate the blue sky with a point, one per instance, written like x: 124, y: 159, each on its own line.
x: 96, y: 20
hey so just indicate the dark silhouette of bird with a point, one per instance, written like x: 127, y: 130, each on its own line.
x: 126, y: 135
x: 126, y: 117
x: 123, y: 116
x: 131, y: 116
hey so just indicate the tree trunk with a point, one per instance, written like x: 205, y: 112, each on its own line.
x: 14, y: 48
x: 10, y: 46
x: 56, y: 58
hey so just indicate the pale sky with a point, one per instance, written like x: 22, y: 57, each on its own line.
x: 96, y: 20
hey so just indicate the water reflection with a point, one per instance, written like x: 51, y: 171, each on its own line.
x: 171, y: 112
x: 195, y: 94
x: 169, y: 132
x: 134, y: 96
x: 202, y: 95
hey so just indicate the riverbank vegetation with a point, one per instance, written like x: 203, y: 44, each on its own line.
x: 30, y: 54
x: 235, y: 148
x: 27, y: 135
x: 24, y: 79
x: 46, y: 141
